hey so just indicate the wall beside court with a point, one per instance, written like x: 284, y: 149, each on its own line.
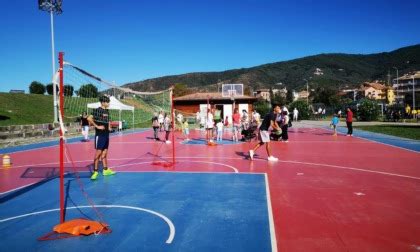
x: 19, y: 134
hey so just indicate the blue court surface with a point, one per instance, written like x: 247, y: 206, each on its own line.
x: 400, y: 142
x: 155, y: 211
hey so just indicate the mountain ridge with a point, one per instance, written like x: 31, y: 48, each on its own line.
x: 337, y: 70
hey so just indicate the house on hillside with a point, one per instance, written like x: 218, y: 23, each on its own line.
x: 263, y: 94
x: 303, y: 95
x: 318, y: 71
x: 404, y: 86
x: 373, y: 90
x: 188, y: 105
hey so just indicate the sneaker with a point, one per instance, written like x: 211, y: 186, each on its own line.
x: 271, y: 158
x: 251, y: 154
x: 168, y: 142
x: 108, y: 172
x: 94, y: 175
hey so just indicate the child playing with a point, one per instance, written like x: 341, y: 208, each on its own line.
x: 167, y: 127
x: 186, y: 130
x: 219, y: 127
x: 334, y: 123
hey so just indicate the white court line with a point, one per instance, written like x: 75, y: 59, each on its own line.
x: 228, y: 158
x: 270, y: 216
x: 349, y: 168
x: 189, y: 161
x: 166, y: 219
x: 15, y: 189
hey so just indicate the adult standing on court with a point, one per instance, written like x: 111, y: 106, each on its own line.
x: 160, y: 120
x: 264, y: 136
x: 84, y: 123
x: 295, y: 114
x: 236, y: 119
x: 209, y: 125
x: 155, y: 126
x: 101, y: 121
x: 349, y: 122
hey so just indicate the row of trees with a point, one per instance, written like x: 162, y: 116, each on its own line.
x: 364, y: 110
x: 86, y: 91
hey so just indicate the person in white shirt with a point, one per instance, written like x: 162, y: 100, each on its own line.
x: 209, y: 125
x: 256, y: 117
x: 319, y: 113
x: 219, y: 127
x: 295, y: 114
x: 160, y: 120
x: 245, y: 119
x: 167, y: 127
x: 198, y: 117
x: 180, y: 120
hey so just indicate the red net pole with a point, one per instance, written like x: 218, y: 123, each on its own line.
x: 173, y: 127
x: 207, y: 118
x: 60, y: 58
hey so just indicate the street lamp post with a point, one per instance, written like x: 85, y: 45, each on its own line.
x: 397, y: 84
x: 307, y: 91
x: 414, y: 94
x: 52, y: 6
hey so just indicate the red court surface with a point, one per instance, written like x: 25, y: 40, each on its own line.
x: 327, y: 193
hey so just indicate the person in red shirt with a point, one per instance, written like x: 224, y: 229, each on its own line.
x: 236, y: 118
x: 349, y: 122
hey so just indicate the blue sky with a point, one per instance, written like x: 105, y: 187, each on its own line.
x: 132, y: 40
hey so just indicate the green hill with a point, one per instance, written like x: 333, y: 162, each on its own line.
x: 20, y: 109
x: 338, y: 69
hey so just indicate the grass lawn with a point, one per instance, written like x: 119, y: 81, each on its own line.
x: 406, y: 131
x: 21, y: 109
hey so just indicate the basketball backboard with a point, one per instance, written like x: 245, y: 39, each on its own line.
x: 232, y: 90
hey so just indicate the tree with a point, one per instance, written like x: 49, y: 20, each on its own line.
x: 278, y: 99
x: 36, y: 88
x: 334, y: 101
x: 68, y: 90
x: 88, y: 91
x: 322, y: 95
x: 247, y: 90
x: 262, y: 107
x: 49, y: 88
x: 289, y: 97
x: 368, y: 110
x: 180, y: 90
x: 302, y: 107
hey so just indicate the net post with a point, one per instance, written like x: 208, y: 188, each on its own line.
x: 60, y: 58
x: 173, y: 126
x: 207, y: 118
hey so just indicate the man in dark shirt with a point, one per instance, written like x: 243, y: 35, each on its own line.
x: 101, y: 120
x: 264, y: 135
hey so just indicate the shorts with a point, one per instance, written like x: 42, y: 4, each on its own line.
x: 101, y: 142
x: 264, y: 136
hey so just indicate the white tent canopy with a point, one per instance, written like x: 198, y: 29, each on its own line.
x: 114, y: 104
